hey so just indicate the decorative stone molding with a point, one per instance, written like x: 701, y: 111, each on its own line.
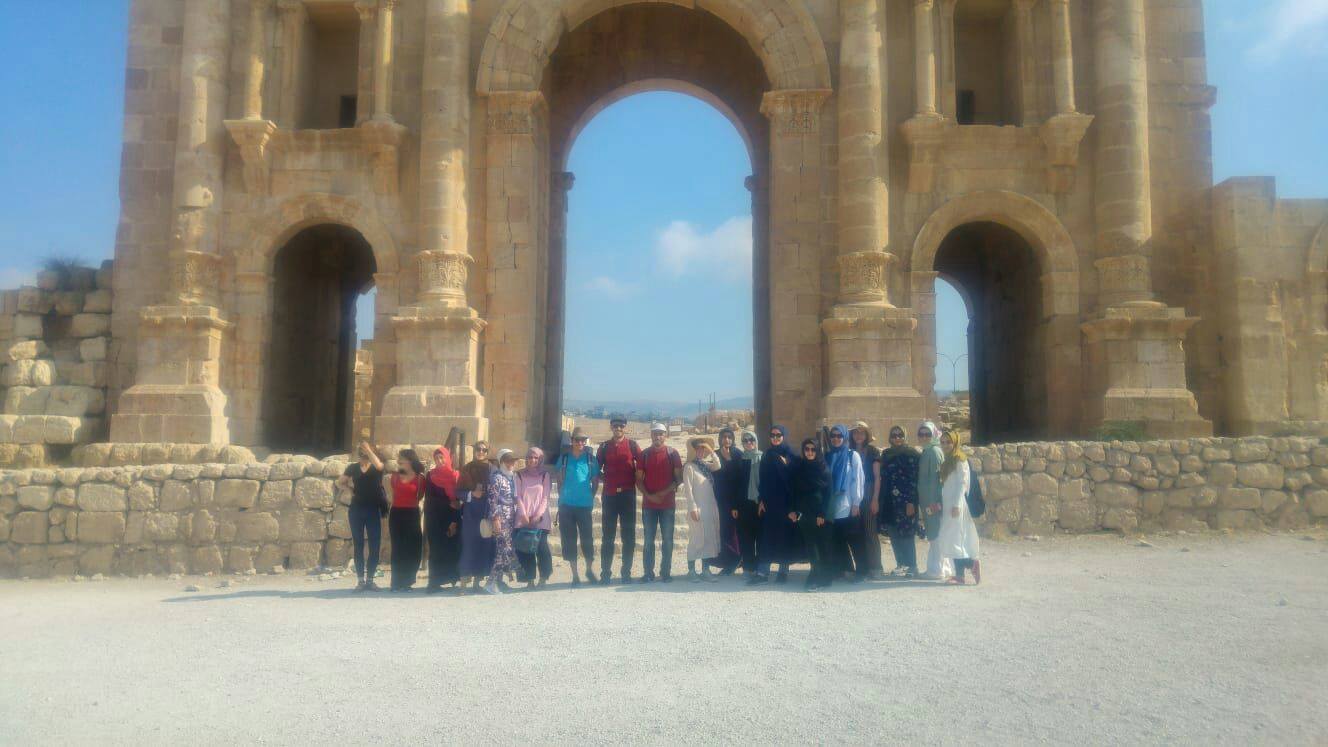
x: 862, y: 277
x: 383, y: 140
x: 1062, y: 135
x: 514, y: 112
x: 795, y: 112
x: 924, y: 135
x: 252, y: 136
x: 1124, y: 280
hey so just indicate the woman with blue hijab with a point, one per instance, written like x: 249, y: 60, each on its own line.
x: 846, y: 491
x: 775, y: 543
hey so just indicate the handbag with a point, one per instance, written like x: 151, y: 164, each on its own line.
x: 526, y: 541
x: 977, y: 506
x: 486, y: 528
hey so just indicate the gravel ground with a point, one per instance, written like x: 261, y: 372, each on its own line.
x: 1095, y: 639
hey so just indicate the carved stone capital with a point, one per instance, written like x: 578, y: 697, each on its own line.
x: 289, y: 8
x: 252, y: 136
x: 195, y: 277
x: 514, y: 112
x: 862, y: 277
x: 1062, y: 135
x: 366, y: 9
x: 443, y: 277
x: 795, y: 111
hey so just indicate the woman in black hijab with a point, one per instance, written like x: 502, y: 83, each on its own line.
x: 809, y: 487
x: 776, y: 543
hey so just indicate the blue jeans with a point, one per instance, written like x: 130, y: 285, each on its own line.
x: 366, y: 522
x: 658, y: 520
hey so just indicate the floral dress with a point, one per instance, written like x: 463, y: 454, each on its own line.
x: 899, y: 487
x: 502, y: 512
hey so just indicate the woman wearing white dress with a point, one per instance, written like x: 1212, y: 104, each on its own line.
x: 958, y: 538
x: 698, y: 491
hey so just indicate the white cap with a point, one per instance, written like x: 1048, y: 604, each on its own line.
x: 505, y: 452
x: 658, y: 428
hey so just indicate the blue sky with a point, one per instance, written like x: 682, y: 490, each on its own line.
x: 655, y: 232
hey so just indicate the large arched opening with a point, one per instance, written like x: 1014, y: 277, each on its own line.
x: 319, y: 275
x: 1015, y: 267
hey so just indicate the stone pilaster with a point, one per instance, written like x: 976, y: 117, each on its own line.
x: 437, y: 340
x: 1026, y: 67
x: 516, y: 175
x: 795, y: 255
x: 923, y: 132
x: 1135, y: 345
x: 1063, y: 131
x: 176, y: 397
x: 293, y: 16
x: 863, y: 207
x: 947, y: 59
x: 1062, y: 56
x: 364, y: 79
x: 253, y: 80
x: 556, y: 322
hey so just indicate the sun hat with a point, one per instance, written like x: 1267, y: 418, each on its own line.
x: 658, y: 428
x: 579, y: 433
x: 504, y: 453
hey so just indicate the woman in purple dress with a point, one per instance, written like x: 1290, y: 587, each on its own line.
x: 502, y: 516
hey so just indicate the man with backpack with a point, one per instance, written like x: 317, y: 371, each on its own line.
x: 578, y: 474
x: 619, y: 459
x: 658, y: 475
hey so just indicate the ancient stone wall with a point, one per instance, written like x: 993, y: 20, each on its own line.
x: 287, y: 512
x: 1192, y: 485
x: 56, y: 342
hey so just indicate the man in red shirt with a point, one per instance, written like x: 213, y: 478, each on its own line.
x: 619, y: 459
x: 658, y: 476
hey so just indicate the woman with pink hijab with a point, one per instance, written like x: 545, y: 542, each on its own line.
x: 534, y: 483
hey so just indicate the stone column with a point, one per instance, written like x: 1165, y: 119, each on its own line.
x: 869, y: 342
x: 925, y: 130
x: 293, y: 17
x: 1024, y: 48
x: 383, y: 62
x: 556, y: 320
x: 1062, y: 56
x: 759, y: 188
x: 947, y: 66
x: 438, y: 338
x: 516, y: 174
x: 1135, y: 345
x: 253, y: 82
x: 176, y: 397
x: 366, y: 9
x: 795, y: 255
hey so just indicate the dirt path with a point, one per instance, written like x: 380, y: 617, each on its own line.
x: 1093, y: 639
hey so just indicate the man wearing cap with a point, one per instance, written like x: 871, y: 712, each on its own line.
x: 618, y: 458
x: 577, y: 473
x: 658, y: 475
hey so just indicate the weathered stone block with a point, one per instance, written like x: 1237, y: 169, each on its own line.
x: 1221, y: 474
x: 1120, y: 518
x: 306, y: 555
x: 1260, y: 475
x: 96, y: 560
x: 29, y: 528
x: 75, y: 401
x: 313, y: 492
x: 256, y: 528
x: 1240, y: 498
x: 275, y: 494
x: 101, y: 527
x: 285, y: 471
x: 202, y: 527
x: 35, y: 497
x: 236, y: 493
x: 1116, y: 494
x: 205, y: 559
x: 28, y: 326
x: 94, y: 496
x: 302, y: 526
x: 1233, y: 519
x: 89, y: 325
x: 1040, y: 484
x: 1316, y: 502
x: 28, y: 373
x: 1002, y: 487
x: 159, y: 527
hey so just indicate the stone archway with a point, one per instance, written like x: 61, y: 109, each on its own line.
x: 522, y: 197
x: 1057, y: 281
x: 253, y: 301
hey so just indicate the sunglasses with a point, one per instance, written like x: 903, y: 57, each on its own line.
x: 749, y: 440
x: 617, y: 425
x: 836, y: 437
x: 581, y: 440
x: 776, y: 435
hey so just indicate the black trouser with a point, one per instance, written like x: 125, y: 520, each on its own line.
x: 818, y: 541
x: 904, y: 545
x: 848, y: 556
x: 749, y: 528
x: 574, y: 521
x: 403, y: 526
x: 871, y: 542
x: 542, y: 556
x: 444, y: 551
x: 619, y: 510
x: 366, y: 522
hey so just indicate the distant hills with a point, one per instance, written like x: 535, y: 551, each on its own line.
x: 662, y: 408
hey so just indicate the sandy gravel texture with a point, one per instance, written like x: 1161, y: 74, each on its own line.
x: 1094, y: 639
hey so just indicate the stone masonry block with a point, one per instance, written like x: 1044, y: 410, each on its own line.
x: 236, y: 493
x: 101, y: 527
x: 96, y: 497
x: 35, y: 497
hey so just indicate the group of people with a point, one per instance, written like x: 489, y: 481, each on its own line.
x: 489, y: 521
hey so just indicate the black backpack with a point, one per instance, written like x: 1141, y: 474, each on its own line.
x: 976, y: 505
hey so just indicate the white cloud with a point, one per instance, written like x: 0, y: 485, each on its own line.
x: 609, y: 287
x: 1297, y: 25
x: 726, y: 251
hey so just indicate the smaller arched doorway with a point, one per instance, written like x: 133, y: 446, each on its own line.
x: 308, y: 395
x: 997, y: 273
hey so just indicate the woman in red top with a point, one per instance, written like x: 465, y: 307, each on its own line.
x: 406, y: 487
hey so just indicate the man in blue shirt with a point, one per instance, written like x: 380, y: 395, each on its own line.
x: 578, y: 476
